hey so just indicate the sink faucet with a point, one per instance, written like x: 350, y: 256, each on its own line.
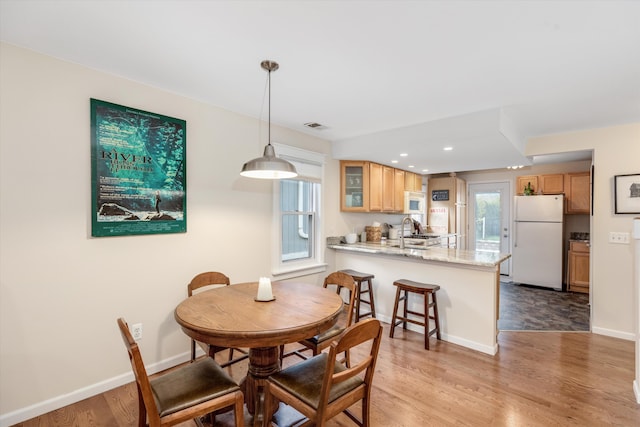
x: 407, y: 218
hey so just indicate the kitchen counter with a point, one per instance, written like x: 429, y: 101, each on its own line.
x: 428, y: 253
x: 468, y: 299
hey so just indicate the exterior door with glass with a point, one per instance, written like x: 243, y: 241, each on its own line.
x: 489, y: 218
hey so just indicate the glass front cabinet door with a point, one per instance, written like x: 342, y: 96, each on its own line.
x: 354, y: 186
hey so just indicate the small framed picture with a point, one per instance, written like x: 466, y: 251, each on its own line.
x: 627, y: 194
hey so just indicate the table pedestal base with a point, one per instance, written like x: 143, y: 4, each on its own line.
x: 263, y: 361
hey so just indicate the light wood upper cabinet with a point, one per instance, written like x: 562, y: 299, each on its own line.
x: 577, y: 187
x: 523, y: 181
x: 579, y: 267
x: 398, y: 192
x: 354, y: 186
x: 375, y: 187
x: 541, y: 184
x: 412, y: 181
x: 372, y: 187
x: 551, y: 183
x: 388, y: 189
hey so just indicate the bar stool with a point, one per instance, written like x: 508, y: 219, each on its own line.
x: 403, y: 287
x: 359, y: 278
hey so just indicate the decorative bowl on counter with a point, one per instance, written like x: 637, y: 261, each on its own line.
x: 351, y: 238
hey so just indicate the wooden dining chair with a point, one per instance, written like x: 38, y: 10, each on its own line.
x: 321, y: 341
x: 321, y: 387
x: 187, y: 392
x: 211, y: 278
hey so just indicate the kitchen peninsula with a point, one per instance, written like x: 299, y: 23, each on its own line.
x: 468, y: 299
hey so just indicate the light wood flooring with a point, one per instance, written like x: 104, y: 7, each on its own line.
x: 536, y: 379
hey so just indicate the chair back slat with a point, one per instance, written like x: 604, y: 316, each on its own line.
x: 343, y: 280
x: 206, y: 279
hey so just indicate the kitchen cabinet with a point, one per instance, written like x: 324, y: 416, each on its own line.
x: 354, y: 186
x: 388, y: 189
x: 372, y: 187
x: 577, y: 192
x: 579, y: 266
x: 375, y: 187
x: 524, y: 180
x: 551, y: 183
x: 447, y: 207
x: 399, y: 188
x: 412, y: 181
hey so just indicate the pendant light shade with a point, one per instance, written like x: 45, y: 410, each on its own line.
x: 269, y: 166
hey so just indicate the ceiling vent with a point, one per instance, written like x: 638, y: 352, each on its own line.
x: 314, y: 125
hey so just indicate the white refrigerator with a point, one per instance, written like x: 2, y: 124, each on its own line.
x: 537, y: 241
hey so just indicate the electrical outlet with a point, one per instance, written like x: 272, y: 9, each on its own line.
x: 618, y: 237
x: 136, y: 331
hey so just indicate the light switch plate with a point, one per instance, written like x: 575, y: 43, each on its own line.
x: 619, y: 237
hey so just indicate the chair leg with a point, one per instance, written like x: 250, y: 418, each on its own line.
x: 357, y: 300
x: 406, y: 309
x: 436, y: 315
x: 239, y: 410
x: 395, y: 311
x: 142, y: 410
x: 426, y: 320
x: 193, y: 350
x: 371, y: 299
x: 365, y: 411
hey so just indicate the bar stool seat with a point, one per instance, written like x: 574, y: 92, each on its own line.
x: 428, y: 291
x: 359, y: 278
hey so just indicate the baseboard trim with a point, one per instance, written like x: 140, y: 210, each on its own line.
x: 75, y: 396
x: 613, y: 333
x: 472, y: 345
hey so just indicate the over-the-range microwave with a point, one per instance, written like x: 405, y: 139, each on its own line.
x: 415, y: 202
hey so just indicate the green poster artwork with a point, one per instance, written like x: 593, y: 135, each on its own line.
x: 138, y: 172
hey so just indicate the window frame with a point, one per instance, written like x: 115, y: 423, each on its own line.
x: 311, y: 167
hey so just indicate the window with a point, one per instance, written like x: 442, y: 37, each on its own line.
x: 297, y: 215
x: 298, y: 199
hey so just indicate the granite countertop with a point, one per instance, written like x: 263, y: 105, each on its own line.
x: 455, y: 256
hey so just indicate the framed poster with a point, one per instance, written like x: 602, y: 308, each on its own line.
x: 627, y: 194
x: 138, y: 172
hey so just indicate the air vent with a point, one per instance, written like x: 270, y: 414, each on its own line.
x: 314, y: 125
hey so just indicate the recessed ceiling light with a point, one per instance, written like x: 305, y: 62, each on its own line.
x: 448, y: 148
x: 403, y: 154
x: 411, y: 166
x: 425, y: 170
x: 394, y: 161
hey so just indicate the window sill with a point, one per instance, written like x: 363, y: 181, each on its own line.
x: 298, y: 271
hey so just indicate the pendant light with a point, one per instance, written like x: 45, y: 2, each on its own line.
x: 269, y: 166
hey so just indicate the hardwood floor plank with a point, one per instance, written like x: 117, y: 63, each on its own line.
x: 536, y: 379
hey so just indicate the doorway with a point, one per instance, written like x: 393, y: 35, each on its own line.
x: 489, y: 219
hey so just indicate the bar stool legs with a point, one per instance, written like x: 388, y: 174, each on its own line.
x: 403, y: 287
x: 359, y: 278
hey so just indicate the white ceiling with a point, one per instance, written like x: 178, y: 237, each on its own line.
x: 382, y: 77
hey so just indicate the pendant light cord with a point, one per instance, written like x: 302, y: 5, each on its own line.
x: 269, y: 129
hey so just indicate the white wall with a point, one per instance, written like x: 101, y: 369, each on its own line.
x: 616, y: 152
x: 61, y: 290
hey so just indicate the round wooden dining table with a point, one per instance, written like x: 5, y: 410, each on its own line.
x: 230, y: 316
